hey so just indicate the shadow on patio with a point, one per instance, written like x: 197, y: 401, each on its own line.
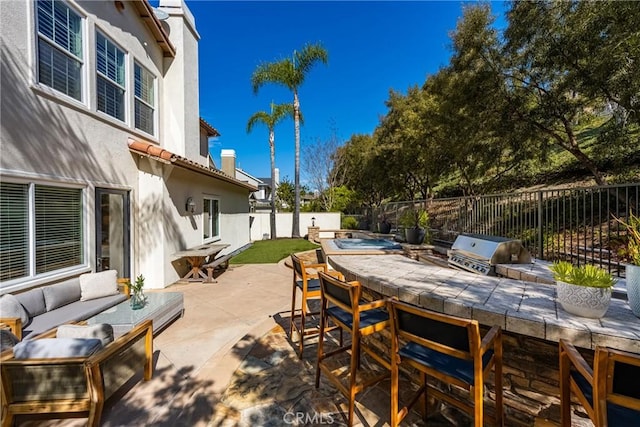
x: 229, y: 362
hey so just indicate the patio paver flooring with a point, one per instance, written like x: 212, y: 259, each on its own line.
x: 229, y: 362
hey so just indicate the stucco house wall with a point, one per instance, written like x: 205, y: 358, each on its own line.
x: 48, y: 134
x: 49, y: 138
x: 234, y: 210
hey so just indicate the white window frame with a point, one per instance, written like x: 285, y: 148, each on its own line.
x: 214, y: 237
x: 90, y: 27
x: 31, y: 235
x: 153, y: 106
x: 81, y: 60
x: 124, y: 86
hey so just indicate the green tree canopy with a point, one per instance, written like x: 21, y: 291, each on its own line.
x: 366, y: 169
x: 285, y: 194
x: 508, y: 101
x: 408, y: 143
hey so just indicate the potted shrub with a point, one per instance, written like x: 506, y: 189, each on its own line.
x: 585, y: 290
x: 632, y: 270
x: 364, y: 223
x: 414, y: 220
x: 384, y: 226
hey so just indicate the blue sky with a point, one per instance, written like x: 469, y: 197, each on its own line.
x: 373, y: 47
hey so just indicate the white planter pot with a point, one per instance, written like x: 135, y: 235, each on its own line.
x: 584, y: 301
x: 633, y: 288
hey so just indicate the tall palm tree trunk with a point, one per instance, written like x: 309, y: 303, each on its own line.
x: 295, y: 232
x: 291, y: 74
x: 272, y: 152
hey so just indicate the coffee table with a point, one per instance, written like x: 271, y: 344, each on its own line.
x: 161, y: 308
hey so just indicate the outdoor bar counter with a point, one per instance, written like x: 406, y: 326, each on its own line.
x: 531, y: 318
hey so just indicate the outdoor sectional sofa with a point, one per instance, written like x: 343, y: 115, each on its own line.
x: 41, y: 309
x: 53, y: 379
x: 57, y: 370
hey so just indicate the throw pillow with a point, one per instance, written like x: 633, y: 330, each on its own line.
x: 101, y: 331
x: 32, y: 301
x: 46, y: 348
x: 61, y: 294
x: 98, y: 285
x: 7, y: 339
x: 11, y: 307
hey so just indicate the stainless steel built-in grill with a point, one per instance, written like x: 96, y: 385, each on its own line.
x: 480, y: 254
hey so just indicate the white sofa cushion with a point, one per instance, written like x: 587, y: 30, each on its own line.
x: 56, y: 347
x: 98, y: 285
x: 101, y: 331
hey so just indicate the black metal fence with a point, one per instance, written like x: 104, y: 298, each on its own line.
x: 574, y: 224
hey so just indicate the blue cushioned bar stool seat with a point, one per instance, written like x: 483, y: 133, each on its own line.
x: 449, y: 349
x: 341, y: 304
x: 609, y: 392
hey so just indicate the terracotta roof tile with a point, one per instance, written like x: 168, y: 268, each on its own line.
x: 155, y: 152
x: 145, y: 11
x: 211, y: 131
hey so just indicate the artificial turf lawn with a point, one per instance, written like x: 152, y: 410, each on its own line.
x: 271, y: 251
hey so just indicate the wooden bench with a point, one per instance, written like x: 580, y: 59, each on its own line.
x: 220, y: 261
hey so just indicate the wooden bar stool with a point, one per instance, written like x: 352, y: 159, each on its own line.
x: 609, y: 392
x: 447, y: 348
x: 349, y: 313
x: 307, y: 282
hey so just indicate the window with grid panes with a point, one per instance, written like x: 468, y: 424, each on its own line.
x: 59, y: 47
x: 110, y: 81
x: 56, y: 240
x: 144, y: 99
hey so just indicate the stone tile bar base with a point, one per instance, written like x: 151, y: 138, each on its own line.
x: 532, y: 322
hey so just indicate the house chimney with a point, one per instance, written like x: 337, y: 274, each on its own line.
x: 276, y: 178
x: 180, y: 102
x: 228, y: 162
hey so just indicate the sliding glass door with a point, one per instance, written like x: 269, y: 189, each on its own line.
x: 112, y: 231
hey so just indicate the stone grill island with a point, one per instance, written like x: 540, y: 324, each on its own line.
x: 531, y: 319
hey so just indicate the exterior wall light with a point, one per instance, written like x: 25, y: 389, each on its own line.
x: 190, y: 205
x: 313, y: 221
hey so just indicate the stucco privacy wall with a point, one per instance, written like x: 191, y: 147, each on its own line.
x: 260, y: 224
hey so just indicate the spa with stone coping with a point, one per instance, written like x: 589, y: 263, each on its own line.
x: 531, y: 318
x: 357, y: 246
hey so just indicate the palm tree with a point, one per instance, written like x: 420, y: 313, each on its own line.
x: 291, y: 72
x: 278, y: 113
